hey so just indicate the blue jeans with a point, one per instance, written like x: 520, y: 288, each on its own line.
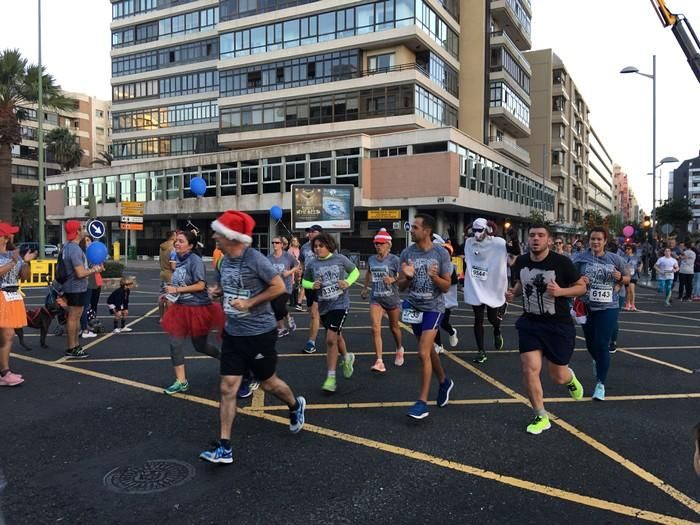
x: 598, y: 331
x: 696, y: 285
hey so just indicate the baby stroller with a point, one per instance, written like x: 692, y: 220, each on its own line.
x: 56, y: 306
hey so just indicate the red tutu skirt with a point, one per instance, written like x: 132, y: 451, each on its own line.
x: 181, y: 320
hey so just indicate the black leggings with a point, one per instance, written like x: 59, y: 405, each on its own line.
x: 445, y: 325
x: 279, y: 306
x: 177, y: 348
x: 494, y: 319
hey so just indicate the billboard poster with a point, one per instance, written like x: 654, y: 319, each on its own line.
x: 332, y: 207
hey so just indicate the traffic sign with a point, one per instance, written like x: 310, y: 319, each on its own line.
x: 96, y: 229
x: 131, y: 226
x: 132, y: 208
x: 666, y: 229
x: 132, y: 219
x: 407, y: 226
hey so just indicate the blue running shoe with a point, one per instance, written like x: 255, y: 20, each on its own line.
x: 244, y: 390
x: 444, y: 392
x: 419, y: 410
x: 218, y: 455
x: 296, y: 417
x: 309, y: 347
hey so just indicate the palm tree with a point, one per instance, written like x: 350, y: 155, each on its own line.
x: 25, y: 213
x: 105, y: 159
x: 19, y: 87
x: 64, y: 147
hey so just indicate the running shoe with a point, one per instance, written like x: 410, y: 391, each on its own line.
x: 296, y: 417
x: 599, y: 392
x: 292, y: 324
x: 254, y: 384
x: 539, y: 425
x: 116, y: 331
x: 329, y: 384
x: 501, y: 312
x: 282, y: 332
x: 127, y: 329
x: 399, y: 358
x: 378, y: 366
x: 443, y: 396
x: 75, y: 353
x: 575, y: 387
x: 347, y: 365
x: 244, y: 390
x: 299, y: 308
x: 218, y: 455
x: 309, y: 347
x: 11, y: 379
x: 87, y: 334
x: 177, y: 387
x: 613, y: 347
x: 439, y: 349
x: 419, y: 410
x: 454, y: 339
x: 480, y: 358
x: 498, y: 342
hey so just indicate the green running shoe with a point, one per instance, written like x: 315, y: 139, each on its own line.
x: 539, y: 425
x: 480, y: 358
x: 347, y: 365
x: 498, y: 342
x: 575, y: 387
x: 177, y: 387
x: 329, y: 384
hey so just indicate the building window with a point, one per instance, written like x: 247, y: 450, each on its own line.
x: 381, y: 62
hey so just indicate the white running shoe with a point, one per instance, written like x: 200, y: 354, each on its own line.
x: 87, y: 334
x: 438, y: 348
x: 116, y: 331
x: 127, y: 329
x: 454, y: 340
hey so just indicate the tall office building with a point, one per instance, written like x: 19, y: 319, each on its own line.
x: 563, y: 145
x: 684, y: 183
x: 415, y: 103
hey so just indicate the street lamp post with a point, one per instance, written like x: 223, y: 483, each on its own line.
x: 652, y: 76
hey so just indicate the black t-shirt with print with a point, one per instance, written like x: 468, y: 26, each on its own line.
x: 538, y: 304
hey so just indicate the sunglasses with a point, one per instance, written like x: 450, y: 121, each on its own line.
x: 558, y: 242
x: 477, y: 230
x: 276, y: 242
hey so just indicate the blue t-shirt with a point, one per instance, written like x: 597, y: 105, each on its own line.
x: 284, y: 262
x: 423, y: 294
x: 190, y: 270
x: 603, y: 290
x: 74, y: 256
x: 245, y: 277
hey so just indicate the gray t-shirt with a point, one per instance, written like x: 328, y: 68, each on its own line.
x: 284, y: 262
x: 386, y: 295
x: 329, y: 271
x: 306, y: 253
x: 188, y: 271
x: 688, y: 264
x: 74, y: 256
x: 603, y: 291
x: 242, y: 278
x: 423, y: 294
x: 632, y: 262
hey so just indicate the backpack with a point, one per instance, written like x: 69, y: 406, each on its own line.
x: 61, y: 271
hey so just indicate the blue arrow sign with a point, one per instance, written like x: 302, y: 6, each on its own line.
x: 96, y: 229
x: 407, y: 226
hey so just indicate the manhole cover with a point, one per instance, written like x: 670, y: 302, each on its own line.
x: 153, y: 476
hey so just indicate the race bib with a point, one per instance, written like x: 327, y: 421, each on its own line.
x: 330, y: 291
x: 668, y: 275
x: 601, y: 293
x: 411, y: 316
x: 480, y: 273
x: 12, y: 296
x: 378, y: 276
x: 230, y: 296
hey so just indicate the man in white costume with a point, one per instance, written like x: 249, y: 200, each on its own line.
x: 485, y: 281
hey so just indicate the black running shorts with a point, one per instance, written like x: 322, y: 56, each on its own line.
x: 334, y: 319
x: 556, y: 340
x: 253, y: 353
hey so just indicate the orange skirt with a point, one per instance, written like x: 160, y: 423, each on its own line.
x: 12, y: 313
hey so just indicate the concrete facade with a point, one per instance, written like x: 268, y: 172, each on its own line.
x: 684, y: 183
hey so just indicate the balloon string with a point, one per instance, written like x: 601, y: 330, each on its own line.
x: 285, y: 227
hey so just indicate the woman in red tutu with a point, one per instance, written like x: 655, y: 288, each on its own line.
x: 192, y: 314
x: 12, y: 313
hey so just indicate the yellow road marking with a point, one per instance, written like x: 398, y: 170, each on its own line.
x: 395, y: 450
x: 597, y: 445
x: 258, y: 401
x: 657, y: 361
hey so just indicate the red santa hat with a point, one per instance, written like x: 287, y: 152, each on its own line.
x: 235, y: 226
x: 382, y: 237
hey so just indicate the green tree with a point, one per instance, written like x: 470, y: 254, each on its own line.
x: 105, y: 158
x: 614, y: 224
x: 676, y: 212
x: 64, y: 147
x: 592, y: 218
x: 19, y: 87
x: 25, y: 213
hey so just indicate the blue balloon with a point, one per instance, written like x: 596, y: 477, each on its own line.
x: 96, y: 253
x: 276, y: 213
x: 198, y: 186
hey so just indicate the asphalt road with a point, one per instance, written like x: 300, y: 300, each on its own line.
x: 75, y: 428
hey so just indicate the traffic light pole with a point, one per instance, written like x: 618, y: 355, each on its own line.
x: 40, y: 119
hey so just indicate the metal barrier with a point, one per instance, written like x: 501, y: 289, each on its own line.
x: 42, y: 273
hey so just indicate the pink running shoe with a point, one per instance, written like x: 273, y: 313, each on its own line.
x: 398, y: 360
x: 378, y: 366
x: 11, y: 379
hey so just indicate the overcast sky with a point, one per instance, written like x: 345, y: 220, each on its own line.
x: 594, y: 38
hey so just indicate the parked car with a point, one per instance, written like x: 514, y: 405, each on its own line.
x: 50, y: 250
